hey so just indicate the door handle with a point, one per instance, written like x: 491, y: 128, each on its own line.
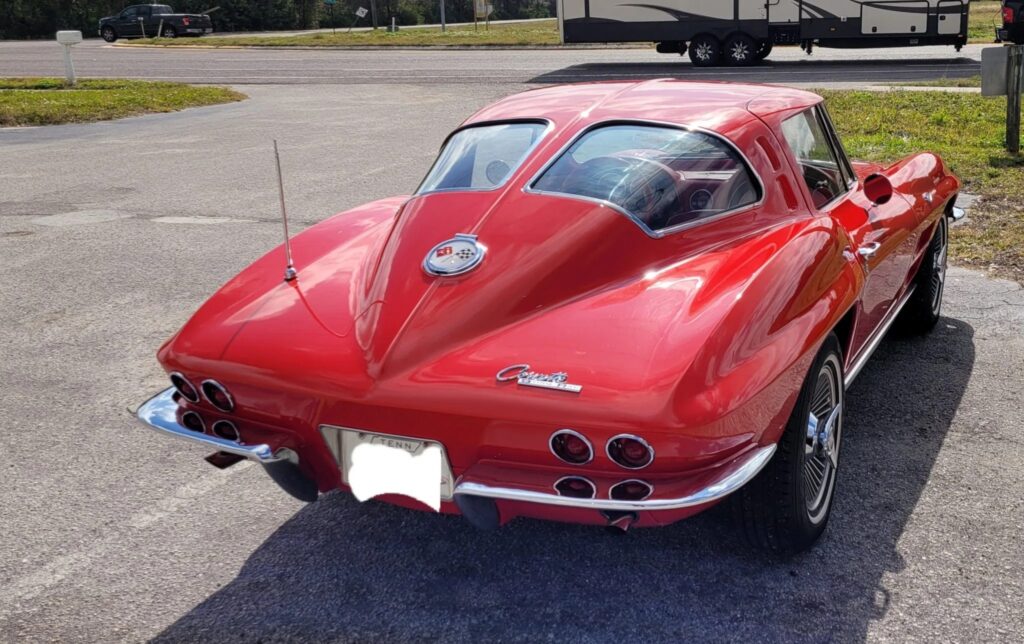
x: 869, y: 250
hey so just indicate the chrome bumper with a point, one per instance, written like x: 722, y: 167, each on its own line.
x: 732, y: 477
x: 160, y: 413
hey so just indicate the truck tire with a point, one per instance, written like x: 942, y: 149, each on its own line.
x: 705, y: 51
x: 108, y: 34
x: 169, y: 32
x: 741, y: 50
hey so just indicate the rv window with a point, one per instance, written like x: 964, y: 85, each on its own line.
x: 661, y: 177
x: 482, y: 157
x: 818, y: 160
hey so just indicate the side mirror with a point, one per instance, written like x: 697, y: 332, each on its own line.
x: 878, y: 189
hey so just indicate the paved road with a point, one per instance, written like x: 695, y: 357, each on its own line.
x: 486, y: 67
x: 112, y: 234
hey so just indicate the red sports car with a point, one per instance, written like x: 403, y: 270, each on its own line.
x: 614, y: 303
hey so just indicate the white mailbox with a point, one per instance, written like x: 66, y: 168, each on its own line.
x: 69, y: 37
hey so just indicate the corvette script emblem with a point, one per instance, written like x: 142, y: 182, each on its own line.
x: 456, y: 256
x: 522, y: 375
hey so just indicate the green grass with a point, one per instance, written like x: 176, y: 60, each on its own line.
x: 47, y: 101
x: 968, y: 131
x: 985, y: 17
x: 541, y: 33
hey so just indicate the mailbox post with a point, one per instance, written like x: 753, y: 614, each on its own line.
x: 69, y: 39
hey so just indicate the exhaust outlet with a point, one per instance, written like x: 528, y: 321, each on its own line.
x: 619, y: 522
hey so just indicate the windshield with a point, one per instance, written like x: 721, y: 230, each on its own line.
x: 482, y: 157
x: 662, y: 177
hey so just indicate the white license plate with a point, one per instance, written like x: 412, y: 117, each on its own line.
x: 375, y: 464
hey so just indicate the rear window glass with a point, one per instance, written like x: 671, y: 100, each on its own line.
x: 482, y: 157
x: 662, y: 177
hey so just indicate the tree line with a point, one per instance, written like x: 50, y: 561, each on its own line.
x: 42, y: 18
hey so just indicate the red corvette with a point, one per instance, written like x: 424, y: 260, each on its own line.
x: 613, y: 304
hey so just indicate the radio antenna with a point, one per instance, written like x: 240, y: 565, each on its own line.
x: 289, y: 270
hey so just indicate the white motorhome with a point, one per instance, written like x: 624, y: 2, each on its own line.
x: 741, y: 32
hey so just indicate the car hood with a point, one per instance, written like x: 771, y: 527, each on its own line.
x: 566, y: 286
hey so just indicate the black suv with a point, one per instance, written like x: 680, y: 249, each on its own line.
x: 1013, y: 23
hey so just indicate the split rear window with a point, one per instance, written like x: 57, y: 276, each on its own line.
x: 482, y: 157
x: 661, y: 177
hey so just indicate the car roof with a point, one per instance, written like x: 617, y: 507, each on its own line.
x: 716, y: 106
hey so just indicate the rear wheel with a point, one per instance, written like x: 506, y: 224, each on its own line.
x: 764, y: 49
x: 923, y: 309
x: 169, y: 32
x: 108, y: 34
x: 785, y: 509
x: 705, y: 50
x: 741, y: 50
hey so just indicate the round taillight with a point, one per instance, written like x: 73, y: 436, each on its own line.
x: 631, y: 490
x: 226, y: 429
x: 575, y: 487
x: 218, y: 396
x: 193, y: 421
x: 184, y: 387
x: 630, y: 452
x: 572, y: 447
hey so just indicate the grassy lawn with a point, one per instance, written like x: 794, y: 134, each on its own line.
x: 985, y: 17
x: 967, y: 130
x: 970, y: 81
x: 521, y: 33
x: 46, y: 101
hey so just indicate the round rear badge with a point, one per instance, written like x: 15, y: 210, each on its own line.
x: 456, y: 256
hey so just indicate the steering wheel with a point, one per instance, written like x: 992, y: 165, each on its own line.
x: 821, y: 184
x: 617, y: 179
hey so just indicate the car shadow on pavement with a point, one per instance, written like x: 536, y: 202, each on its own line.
x: 341, y: 570
x: 784, y: 71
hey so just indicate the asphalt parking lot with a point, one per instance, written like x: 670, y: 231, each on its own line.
x: 111, y: 234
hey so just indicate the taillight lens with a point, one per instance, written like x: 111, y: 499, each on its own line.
x: 218, y: 396
x: 572, y: 447
x: 1008, y: 15
x: 631, y: 490
x: 193, y: 421
x: 184, y: 387
x: 631, y: 452
x: 576, y: 487
x: 184, y: 21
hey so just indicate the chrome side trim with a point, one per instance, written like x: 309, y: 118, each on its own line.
x: 159, y: 413
x: 729, y: 482
x: 876, y: 339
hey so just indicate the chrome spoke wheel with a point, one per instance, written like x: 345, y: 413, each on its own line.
x: 822, y: 441
x: 940, y: 261
x: 740, y: 52
x: 703, y: 51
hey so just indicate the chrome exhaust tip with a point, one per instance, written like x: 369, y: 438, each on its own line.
x: 619, y: 522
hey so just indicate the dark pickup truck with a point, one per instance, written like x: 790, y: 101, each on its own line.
x: 146, y: 20
x: 1013, y: 22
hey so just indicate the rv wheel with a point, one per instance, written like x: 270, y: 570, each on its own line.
x: 741, y: 50
x: 705, y: 51
x: 764, y: 50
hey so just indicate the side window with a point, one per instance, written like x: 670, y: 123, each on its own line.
x: 819, y: 164
x: 130, y: 12
x: 144, y: 12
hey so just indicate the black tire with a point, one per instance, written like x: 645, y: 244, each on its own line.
x: 170, y: 32
x: 922, y: 311
x: 705, y: 51
x: 740, y: 50
x: 786, y: 508
x: 764, y: 49
x: 108, y: 34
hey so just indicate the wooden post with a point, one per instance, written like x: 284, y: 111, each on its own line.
x: 1014, y: 62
